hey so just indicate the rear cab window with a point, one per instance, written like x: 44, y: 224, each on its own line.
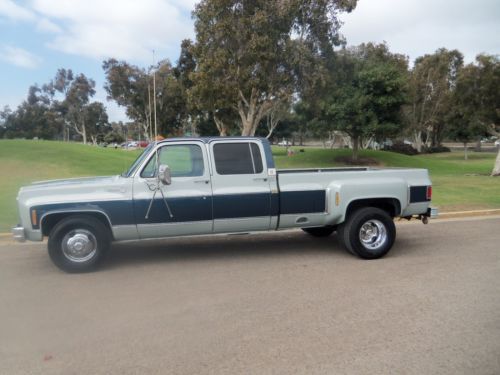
x: 237, y: 158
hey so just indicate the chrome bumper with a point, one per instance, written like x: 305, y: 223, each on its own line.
x: 18, y: 234
x: 432, y: 212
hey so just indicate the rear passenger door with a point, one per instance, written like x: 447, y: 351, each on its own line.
x: 240, y: 185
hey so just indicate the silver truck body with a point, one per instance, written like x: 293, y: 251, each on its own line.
x: 207, y: 201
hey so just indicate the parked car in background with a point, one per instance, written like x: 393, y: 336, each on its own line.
x: 143, y: 144
x: 284, y: 143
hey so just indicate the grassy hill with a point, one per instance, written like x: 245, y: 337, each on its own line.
x: 458, y: 184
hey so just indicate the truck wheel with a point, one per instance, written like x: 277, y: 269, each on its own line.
x: 368, y: 233
x: 78, y: 243
x: 320, y: 231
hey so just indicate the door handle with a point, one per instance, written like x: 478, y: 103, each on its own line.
x: 201, y: 181
x: 260, y: 179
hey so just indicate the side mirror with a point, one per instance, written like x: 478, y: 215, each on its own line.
x: 164, y: 174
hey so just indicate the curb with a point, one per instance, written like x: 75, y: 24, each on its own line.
x: 442, y: 215
x: 473, y: 213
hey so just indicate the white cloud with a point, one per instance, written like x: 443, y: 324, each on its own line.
x: 128, y: 29
x: 19, y: 57
x: 46, y: 26
x: 15, y: 12
x: 417, y: 27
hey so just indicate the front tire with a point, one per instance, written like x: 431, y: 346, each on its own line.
x: 78, y: 243
x: 368, y: 233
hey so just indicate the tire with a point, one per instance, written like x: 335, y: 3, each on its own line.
x: 78, y: 243
x: 320, y: 231
x: 368, y: 233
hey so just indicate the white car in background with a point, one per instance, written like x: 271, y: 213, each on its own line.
x: 285, y: 143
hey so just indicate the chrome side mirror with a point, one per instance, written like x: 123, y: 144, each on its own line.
x: 164, y: 174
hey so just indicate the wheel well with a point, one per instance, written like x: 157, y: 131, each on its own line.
x: 389, y: 205
x: 50, y: 220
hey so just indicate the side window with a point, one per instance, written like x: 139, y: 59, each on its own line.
x: 183, y: 160
x: 237, y: 158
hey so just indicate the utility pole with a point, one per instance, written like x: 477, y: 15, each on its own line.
x: 154, y: 95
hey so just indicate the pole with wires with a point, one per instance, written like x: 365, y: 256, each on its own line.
x: 150, y: 122
x: 154, y: 96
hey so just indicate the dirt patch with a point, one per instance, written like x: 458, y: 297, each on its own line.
x: 362, y: 161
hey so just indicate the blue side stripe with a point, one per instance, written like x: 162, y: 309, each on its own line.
x: 128, y: 212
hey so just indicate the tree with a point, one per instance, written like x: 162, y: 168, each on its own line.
x: 96, y: 119
x: 78, y: 95
x: 132, y: 88
x: 431, y: 83
x: 34, y: 117
x: 245, y: 53
x: 365, y: 100
x: 489, y: 98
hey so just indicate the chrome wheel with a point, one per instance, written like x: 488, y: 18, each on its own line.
x: 373, y: 234
x: 79, y: 245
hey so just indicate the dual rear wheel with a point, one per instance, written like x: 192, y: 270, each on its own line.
x: 367, y: 232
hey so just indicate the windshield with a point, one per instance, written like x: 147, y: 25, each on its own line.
x: 138, y: 161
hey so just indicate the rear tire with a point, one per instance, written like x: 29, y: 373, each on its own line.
x: 78, y: 243
x: 368, y: 233
x: 320, y: 231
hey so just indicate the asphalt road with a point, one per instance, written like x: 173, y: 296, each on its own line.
x: 280, y: 303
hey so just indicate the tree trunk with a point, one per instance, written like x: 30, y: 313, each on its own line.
x: 251, y: 112
x: 478, y: 145
x: 417, y: 140
x: 465, y: 151
x: 355, y: 148
x: 496, y: 168
x: 221, y: 127
x: 84, y: 135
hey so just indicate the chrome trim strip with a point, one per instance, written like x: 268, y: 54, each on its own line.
x: 170, y: 224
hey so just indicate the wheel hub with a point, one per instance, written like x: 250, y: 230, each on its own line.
x: 79, y: 245
x: 373, y: 234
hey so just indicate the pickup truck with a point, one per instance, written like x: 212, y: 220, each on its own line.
x: 200, y: 186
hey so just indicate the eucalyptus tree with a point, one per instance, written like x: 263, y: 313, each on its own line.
x: 247, y: 52
x: 132, y: 87
x: 365, y: 96
x: 431, y: 84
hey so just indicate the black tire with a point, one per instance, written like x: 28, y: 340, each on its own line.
x: 320, y: 231
x: 376, y: 238
x: 78, y: 243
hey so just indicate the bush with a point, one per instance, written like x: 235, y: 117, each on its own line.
x: 401, y: 148
x: 435, y: 149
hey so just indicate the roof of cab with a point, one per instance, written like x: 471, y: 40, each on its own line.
x: 211, y: 139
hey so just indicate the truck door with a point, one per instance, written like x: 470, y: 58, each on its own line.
x: 189, y: 197
x: 240, y: 185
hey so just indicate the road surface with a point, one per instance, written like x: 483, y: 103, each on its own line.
x: 278, y: 303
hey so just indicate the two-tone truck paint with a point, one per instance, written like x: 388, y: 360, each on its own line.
x: 200, y: 186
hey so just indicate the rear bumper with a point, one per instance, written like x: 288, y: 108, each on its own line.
x: 432, y: 212
x: 18, y: 234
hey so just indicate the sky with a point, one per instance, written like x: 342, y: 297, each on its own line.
x: 39, y: 36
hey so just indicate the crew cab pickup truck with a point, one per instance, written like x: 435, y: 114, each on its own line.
x: 200, y: 186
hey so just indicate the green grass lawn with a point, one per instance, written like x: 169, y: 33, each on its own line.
x: 458, y: 184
